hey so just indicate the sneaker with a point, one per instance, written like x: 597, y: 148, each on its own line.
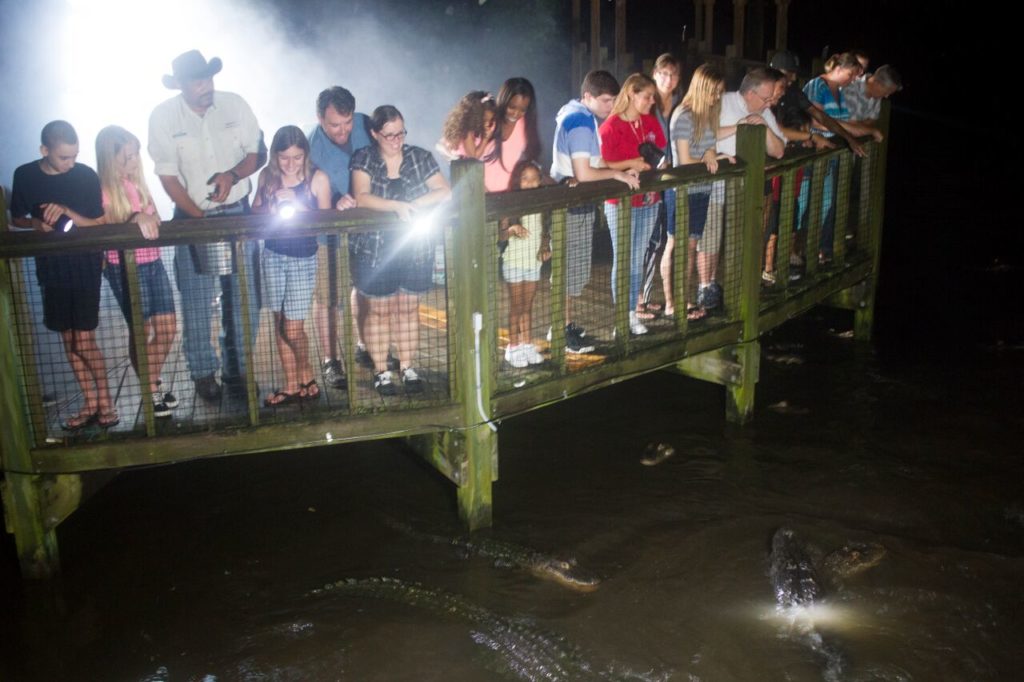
x: 169, y: 400
x: 573, y: 328
x: 636, y: 327
x: 382, y: 382
x: 333, y: 376
x: 575, y: 343
x: 795, y: 276
x: 768, y: 278
x: 411, y: 380
x: 363, y: 356
x: 160, y: 408
x: 533, y: 356
x: 208, y: 389
x: 710, y: 297
x: 516, y: 356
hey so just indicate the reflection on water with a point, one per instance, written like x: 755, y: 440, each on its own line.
x: 205, y: 571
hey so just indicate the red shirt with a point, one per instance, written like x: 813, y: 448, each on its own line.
x: 621, y: 140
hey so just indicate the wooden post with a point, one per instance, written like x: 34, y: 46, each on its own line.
x: 473, y: 270
x: 559, y: 267
x: 252, y: 399
x: 595, y: 34
x: 709, y: 25
x: 864, y: 317
x: 784, y: 241
x: 36, y: 543
x: 781, y: 24
x: 577, y: 58
x: 739, y: 19
x: 698, y: 23
x: 621, y: 67
x: 620, y: 285
x: 681, y: 284
x: 750, y: 147
x: 138, y: 326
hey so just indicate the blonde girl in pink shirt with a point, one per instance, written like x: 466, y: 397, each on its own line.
x: 126, y: 199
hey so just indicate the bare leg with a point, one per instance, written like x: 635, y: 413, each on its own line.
x: 358, y: 308
x: 406, y: 321
x: 90, y: 369
x: 284, y: 349
x: 666, y: 274
x: 82, y: 373
x: 377, y: 334
x: 160, y: 335
x: 295, y: 336
x: 527, y: 292
x: 325, y: 318
x: 769, y: 254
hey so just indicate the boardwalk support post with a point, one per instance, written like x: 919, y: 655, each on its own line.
x: 473, y: 269
x: 864, y: 315
x: 36, y: 541
x: 750, y: 146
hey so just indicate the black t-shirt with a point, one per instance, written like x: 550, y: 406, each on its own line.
x: 79, y: 190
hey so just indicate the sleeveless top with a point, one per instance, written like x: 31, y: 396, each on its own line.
x: 297, y: 247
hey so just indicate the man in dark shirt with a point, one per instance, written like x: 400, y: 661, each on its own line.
x: 46, y: 195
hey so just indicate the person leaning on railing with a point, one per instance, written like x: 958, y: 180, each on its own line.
x: 55, y: 194
x: 288, y: 266
x: 694, y: 132
x: 392, y: 268
x: 126, y: 199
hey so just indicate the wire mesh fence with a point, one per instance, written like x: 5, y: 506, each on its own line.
x: 197, y: 337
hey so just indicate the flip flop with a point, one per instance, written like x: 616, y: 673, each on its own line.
x: 310, y: 389
x: 644, y: 315
x: 695, y: 313
x: 108, y: 419
x: 282, y: 399
x: 80, y: 421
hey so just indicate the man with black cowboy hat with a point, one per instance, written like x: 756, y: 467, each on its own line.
x: 205, y: 145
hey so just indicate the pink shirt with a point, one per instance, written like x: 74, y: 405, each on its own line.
x: 147, y: 255
x: 496, y: 178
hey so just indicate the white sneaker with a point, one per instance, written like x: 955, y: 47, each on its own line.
x: 515, y: 356
x: 636, y: 327
x: 533, y: 356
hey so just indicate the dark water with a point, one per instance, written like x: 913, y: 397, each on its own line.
x: 203, y: 571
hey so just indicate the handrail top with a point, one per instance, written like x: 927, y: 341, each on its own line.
x: 26, y: 243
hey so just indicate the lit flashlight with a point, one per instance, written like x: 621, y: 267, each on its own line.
x: 64, y: 223
x: 286, y: 209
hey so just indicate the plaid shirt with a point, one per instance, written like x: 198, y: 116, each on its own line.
x: 418, y: 166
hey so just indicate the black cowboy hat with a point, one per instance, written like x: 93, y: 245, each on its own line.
x: 191, y: 65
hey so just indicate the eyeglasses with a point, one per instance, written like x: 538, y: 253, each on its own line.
x: 391, y: 137
x: 764, y: 100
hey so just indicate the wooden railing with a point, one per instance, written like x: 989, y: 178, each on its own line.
x: 454, y: 424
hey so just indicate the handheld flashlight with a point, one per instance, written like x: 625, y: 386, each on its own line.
x: 286, y: 209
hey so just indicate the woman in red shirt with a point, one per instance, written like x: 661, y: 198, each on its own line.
x: 629, y: 126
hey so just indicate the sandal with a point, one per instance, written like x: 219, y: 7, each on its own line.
x: 694, y: 312
x: 649, y: 307
x: 280, y: 398
x: 108, y: 420
x: 309, y: 390
x: 642, y: 314
x: 80, y: 421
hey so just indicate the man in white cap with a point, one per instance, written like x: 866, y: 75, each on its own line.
x: 205, y: 145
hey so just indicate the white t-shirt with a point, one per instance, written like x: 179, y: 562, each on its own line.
x: 734, y: 107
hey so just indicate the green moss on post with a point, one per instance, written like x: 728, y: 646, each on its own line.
x: 750, y: 146
x: 864, y: 317
x: 36, y: 544
x: 473, y: 269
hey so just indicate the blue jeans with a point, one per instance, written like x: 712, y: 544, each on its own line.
x: 642, y: 220
x: 198, y: 292
x: 828, y: 209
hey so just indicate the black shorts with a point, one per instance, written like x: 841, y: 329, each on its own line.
x: 405, y: 268
x: 75, y: 308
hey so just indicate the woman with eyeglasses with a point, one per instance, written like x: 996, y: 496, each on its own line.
x: 392, y: 268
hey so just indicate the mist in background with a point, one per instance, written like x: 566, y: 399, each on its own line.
x: 100, y: 62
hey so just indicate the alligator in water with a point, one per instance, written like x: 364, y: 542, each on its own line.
x: 800, y: 583
x: 565, y: 572
x: 525, y: 652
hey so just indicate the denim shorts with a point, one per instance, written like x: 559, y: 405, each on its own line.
x: 154, y: 287
x: 698, y: 213
x: 288, y: 283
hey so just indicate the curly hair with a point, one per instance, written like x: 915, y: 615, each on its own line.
x: 466, y: 117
